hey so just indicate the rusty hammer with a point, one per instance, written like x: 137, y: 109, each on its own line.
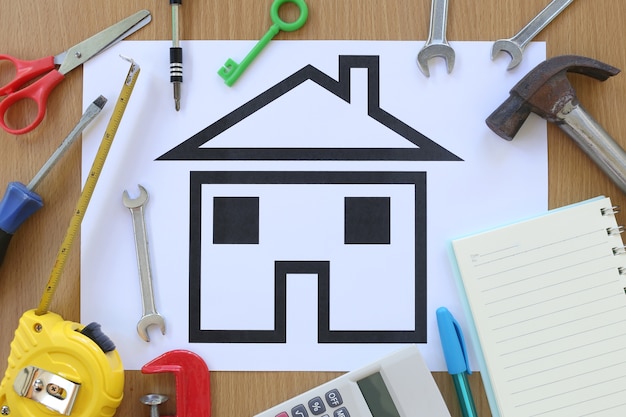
x: 546, y: 91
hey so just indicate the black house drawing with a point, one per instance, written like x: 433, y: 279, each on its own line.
x: 367, y: 211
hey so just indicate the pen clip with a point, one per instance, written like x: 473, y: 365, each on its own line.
x: 453, y: 342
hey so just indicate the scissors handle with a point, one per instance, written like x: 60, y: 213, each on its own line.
x: 38, y: 92
x: 25, y: 71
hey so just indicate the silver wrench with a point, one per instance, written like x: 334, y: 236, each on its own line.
x: 515, y: 46
x: 150, y: 315
x: 436, y: 45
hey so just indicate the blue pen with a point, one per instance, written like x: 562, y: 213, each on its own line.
x: 457, y: 361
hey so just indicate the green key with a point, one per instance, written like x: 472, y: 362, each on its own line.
x: 231, y: 70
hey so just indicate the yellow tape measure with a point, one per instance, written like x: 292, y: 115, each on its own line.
x: 58, y: 367
x: 90, y: 184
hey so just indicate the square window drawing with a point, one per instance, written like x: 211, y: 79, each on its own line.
x: 235, y: 220
x: 367, y: 220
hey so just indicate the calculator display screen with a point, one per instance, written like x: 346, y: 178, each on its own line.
x: 377, y: 396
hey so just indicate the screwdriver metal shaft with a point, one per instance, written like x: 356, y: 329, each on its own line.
x: 92, y: 111
x: 21, y: 201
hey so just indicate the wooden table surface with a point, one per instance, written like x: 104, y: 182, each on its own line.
x: 33, y: 28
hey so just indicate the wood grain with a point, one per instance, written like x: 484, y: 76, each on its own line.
x: 33, y: 28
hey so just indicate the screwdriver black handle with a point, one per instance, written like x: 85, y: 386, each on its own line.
x: 176, y: 64
x: 5, y: 238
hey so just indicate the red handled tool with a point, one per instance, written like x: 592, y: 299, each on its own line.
x: 45, y: 75
x: 193, y: 386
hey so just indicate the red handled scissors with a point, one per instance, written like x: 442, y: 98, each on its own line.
x: 46, y: 76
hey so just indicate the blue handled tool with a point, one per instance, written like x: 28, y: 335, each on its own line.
x: 457, y: 361
x: 21, y: 201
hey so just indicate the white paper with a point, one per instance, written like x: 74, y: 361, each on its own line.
x: 301, y: 201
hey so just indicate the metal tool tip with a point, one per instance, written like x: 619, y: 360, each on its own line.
x: 153, y: 399
x: 132, y: 61
x: 176, y: 85
x: 100, y: 101
x: 423, y: 68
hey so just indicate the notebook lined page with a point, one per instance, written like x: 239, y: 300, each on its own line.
x: 549, y: 306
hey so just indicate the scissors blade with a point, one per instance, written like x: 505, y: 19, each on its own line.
x: 87, y: 49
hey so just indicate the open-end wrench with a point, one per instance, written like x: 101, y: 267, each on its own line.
x: 150, y: 315
x: 436, y: 45
x: 515, y: 46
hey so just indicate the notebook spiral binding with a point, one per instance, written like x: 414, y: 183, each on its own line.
x: 610, y: 211
x: 620, y: 250
x: 612, y: 231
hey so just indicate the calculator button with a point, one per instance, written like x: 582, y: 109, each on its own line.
x: 299, y: 411
x: 283, y: 414
x: 316, y: 405
x: 341, y: 412
x: 333, y: 398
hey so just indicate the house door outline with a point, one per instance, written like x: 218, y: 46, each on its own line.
x: 282, y: 269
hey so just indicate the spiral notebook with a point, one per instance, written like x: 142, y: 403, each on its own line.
x: 546, y: 302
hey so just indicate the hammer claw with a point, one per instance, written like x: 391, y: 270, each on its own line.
x: 580, y: 65
x: 552, y: 74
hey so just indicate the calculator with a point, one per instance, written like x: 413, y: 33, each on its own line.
x: 398, y: 385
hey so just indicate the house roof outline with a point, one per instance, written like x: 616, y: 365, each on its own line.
x: 425, y: 149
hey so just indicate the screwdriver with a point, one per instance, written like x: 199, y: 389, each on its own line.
x: 20, y: 201
x: 176, y: 55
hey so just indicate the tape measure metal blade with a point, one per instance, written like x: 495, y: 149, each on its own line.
x: 88, y: 188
